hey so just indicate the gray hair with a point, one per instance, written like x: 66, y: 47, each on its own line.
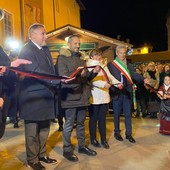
x: 34, y: 27
x: 72, y: 36
x: 120, y: 47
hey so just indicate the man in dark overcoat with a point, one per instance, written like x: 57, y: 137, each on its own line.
x: 75, y: 96
x: 36, y: 98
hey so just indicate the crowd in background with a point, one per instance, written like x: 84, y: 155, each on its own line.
x: 147, y: 100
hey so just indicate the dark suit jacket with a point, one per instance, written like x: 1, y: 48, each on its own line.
x: 36, y: 98
x: 127, y: 87
x: 4, y: 61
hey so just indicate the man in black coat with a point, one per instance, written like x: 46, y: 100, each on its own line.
x: 36, y: 98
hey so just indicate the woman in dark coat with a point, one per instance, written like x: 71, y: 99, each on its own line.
x: 152, y: 75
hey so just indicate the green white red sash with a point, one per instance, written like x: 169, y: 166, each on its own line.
x: 125, y: 71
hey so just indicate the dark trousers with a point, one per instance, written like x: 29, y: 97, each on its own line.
x: 97, y: 114
x: 141, y: 105
x: 60, y: 117
x: 72, y: 114
x: 36, y: 135
x: 123, y: 103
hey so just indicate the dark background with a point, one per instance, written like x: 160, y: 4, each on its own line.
x: 140, y: 21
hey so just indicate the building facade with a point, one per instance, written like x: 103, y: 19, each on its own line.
x: 61, y: 17
x: 20, y: 14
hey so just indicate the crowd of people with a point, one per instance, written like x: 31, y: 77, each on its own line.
x: 148, y: 101
x: 94, y: 85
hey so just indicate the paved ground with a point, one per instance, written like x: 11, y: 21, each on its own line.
x: 150, y: 152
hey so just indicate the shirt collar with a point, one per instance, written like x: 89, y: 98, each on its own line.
x: 39, y: 47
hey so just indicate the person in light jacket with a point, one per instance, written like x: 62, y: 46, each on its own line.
x: 100, y: 98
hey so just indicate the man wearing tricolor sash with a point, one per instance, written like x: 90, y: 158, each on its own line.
x: 123, y: 71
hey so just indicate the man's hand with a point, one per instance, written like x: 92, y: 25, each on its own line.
x: 120, y: 86
x: 2, y: 70
x: 19, y: 62
x: 67, y: 80
x: 97, y: 69
x: 1, y: 102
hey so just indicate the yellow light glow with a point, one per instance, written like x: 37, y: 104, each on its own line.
x: 144, y: 50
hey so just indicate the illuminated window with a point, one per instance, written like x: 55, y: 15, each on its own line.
x: 7, y: 25
x: 144, y: 50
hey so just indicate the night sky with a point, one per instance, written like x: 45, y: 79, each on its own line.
x: 140, y: 21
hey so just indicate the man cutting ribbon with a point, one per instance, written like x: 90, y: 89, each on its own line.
x: 36, y: 97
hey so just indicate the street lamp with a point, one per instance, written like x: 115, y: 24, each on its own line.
x: 13, y: 47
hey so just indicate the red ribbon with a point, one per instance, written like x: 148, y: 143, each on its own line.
x: 153, y: 90
x: 36, y: 74
x: 79, y: 69
x: 50, y: 76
